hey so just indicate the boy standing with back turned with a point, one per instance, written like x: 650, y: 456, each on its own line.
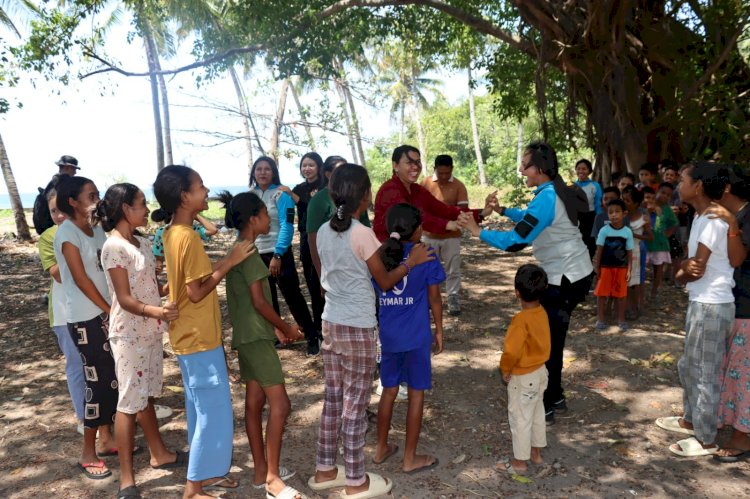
x: 527, y: 348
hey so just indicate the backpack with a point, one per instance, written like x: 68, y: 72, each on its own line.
x: 40, y: 215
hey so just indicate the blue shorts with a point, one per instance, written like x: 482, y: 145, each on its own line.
x: 413, y: 368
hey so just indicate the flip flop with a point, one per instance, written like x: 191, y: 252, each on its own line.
x: 690, y: 447
x: 339, y: 481
x: 393, y: 451
x: 286, y: 493
x: 180, y: 461
x: 284, y: 473
x: 424, y: 468
x: 672, y: 423
x: 112, y: 451
x: 222, y: 483
x: 734, y: 458
x: 94, y: 476
x: 128, y: 493
x: 379, y: 486
x: 507, y: 467
x: 162, y: 411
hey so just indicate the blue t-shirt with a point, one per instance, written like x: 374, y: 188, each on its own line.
x: 404, y: 313
x: 615, y: 245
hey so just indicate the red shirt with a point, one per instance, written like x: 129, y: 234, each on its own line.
x: 435, y: 214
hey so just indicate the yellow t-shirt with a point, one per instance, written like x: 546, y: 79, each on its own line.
x: 527, y: 342
x: 199, y: 327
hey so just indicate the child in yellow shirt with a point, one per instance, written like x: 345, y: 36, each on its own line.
x: 527, y: 348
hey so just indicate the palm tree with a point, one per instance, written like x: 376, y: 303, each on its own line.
x: 22, y: 227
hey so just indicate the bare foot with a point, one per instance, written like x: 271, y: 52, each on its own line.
x: 536, y: 456
x: 168, y: 458
x: 381, y: 455
x: 360, y: 488
x: 685, y: 424
x: 519, y: 466
x: 276, y: 486
x: 326, y: 476
x: 419, y: 462
x: 220, y: 482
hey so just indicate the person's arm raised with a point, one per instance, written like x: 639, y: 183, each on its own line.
x: 385, y: 279
x: 199, y: 289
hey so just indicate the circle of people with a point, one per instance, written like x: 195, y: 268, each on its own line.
x: 373, y: 288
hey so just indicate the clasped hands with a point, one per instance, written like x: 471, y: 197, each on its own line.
x: 466, y: 219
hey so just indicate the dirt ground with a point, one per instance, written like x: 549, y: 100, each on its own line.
x: 605, y: 446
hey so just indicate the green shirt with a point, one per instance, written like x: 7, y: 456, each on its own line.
x: 47, y: 257
x: 320, y: 210
x: 247, y: 323
x: 667, y: 220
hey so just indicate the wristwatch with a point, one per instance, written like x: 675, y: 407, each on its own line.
x: 277, y: 256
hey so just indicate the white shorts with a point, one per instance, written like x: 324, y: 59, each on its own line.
x: 138, y: 366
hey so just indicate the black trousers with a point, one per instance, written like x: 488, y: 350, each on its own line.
x: 312, y: 280
x: 559, y: 303
x: 586, y: 225
x: 288, y: 282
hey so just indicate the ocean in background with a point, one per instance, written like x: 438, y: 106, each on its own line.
x: 27, y: 198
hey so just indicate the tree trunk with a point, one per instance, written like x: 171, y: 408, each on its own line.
x: 245, y: 113
x: 356, y: 135
x: 303, y: 116
x: 279, y: 120
x: 166, y: 122
x: 22, y: 228
x: 420, y: 135
x: 150, y: 57
x: 519, y: 146
x: 402, y: 123
x: 347, y: 118
x: 475, y: 132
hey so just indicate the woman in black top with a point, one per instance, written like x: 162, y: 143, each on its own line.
x: 311, y: 169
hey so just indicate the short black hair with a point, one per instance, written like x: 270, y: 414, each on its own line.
x: 615, y: 177
x: 443, y: 160
x: 635, y: 194
x: 399, y: 152
x: 649, y: 167
x: 612, y: 189
x: 531, y: 281
x: 585, y: 162
x: 617, y: 202
x: 666, y: 184
x: 647, y: 190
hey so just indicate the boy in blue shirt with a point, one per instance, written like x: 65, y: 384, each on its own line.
x: 614, y: 251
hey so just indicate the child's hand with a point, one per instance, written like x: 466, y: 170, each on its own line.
x: 293, y: 333
x: 169, y: 311
x: 420, y: 254
x: 437, y: 343
x: 240, y: 251
x: 506, y: 378
x: 694, y: 268
x: 627, y: 277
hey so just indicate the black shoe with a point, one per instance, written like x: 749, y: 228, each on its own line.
x: 549, y: 417
x: 560, y: 406
x: 313, y: 347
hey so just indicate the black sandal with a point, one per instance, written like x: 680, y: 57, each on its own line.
x: 180, y: 461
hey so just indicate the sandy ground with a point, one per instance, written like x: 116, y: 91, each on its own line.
x: 605, y: 446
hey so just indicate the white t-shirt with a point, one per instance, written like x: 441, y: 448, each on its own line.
x: 140, y: 265
x: 77, y: 305
x: 350, y: 297
x: 717, y: 282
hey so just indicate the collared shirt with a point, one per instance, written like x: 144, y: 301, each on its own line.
x: 435, y: 214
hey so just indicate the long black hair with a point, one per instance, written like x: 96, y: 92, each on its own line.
x: 329, y: 165
x: 348, y: 186
x: 109, y: 210
x: 41, y: 216
x: 274, y: 167
x: 169, y: 185
x: 401, y: 221
x: 714, y: 176
x: 240, y: 208
x: 70, y: 188
x: 322, y: 180
x: 543, y: 156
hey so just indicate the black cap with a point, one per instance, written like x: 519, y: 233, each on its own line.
x: 68, y: 161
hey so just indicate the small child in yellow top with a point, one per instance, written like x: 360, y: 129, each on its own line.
x: 527, y: 348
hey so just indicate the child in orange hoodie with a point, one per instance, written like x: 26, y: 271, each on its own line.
x: 527, y: 348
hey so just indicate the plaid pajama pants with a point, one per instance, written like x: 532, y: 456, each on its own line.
x: 708, y: 326
x: 349, y: 360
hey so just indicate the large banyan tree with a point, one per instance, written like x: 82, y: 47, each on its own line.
x: 640, y: 80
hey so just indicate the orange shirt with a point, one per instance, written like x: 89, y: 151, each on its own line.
x: 527, y: 342
x: 451, y: 193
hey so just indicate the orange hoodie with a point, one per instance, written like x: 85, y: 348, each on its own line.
x: 527, y: 342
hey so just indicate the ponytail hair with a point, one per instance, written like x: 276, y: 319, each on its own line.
x: 348, y: 187
x: 543, y: 156
x: 169, y: 185
x: 401, y: 221
x: 109, y: 210
x: 240, y: 208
